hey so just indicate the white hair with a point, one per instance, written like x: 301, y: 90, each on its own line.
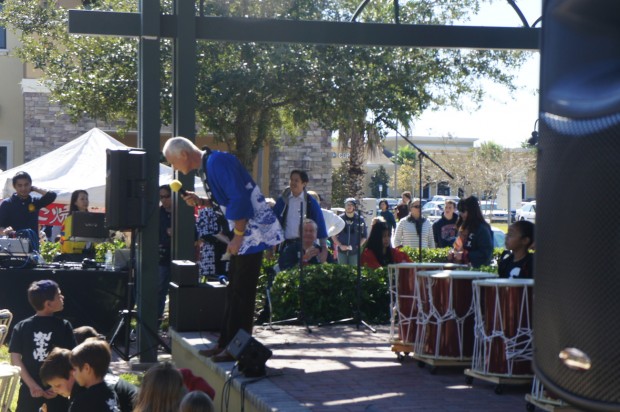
x: 175, y: 145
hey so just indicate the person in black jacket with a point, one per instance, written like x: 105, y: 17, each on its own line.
x: 517, y: 261
x: 444, y: 230
x: 348, y: 242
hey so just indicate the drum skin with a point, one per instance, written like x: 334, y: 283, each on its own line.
x: 508, y: 321
x: 446, y: 302
x: 406, y: 306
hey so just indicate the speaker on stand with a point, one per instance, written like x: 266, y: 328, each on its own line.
x: 125, y: 189
x: 577, y: 277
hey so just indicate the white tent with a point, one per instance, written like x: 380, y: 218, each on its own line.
x: 79, y: 164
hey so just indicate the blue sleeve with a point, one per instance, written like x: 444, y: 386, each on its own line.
x: 4, y: 213
x: 278, y: 209
x: 317, y: 216
x: 231, y: 185
x: 45, y: 200
x: 483, y: 253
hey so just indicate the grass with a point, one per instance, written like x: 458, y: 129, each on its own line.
x: 501, y: 226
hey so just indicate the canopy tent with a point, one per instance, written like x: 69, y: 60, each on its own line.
x: 79, y: 164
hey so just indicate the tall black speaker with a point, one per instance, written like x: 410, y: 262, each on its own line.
x: 577, y: 289
x: 125, y: 189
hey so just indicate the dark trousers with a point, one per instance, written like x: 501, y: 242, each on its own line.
x: 240, y: 295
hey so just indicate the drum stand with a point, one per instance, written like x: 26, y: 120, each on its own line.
x: 357, y: 313
x: 125, y: 316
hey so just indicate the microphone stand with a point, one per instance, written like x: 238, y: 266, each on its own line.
x: 300, y: 290
x: 357, y: 313
x: 421, y: 156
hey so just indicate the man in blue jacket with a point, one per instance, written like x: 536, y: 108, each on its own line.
x: 233, y: 192
x: 293, y: 206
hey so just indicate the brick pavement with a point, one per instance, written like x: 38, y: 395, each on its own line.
x: 341, y: 368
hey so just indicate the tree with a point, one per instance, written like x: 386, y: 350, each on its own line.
x: 482, y: 171
x: 380, y: 177
x: 247, y: 93
x: 364, y: 92
x: 340, y: 189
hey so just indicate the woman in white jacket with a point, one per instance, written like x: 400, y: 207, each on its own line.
x: 408, y: 229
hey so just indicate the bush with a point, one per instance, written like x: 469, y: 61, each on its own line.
x: 330, y: 293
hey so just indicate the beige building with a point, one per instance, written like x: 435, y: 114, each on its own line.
x: 520, y: 188
x: 11, y: 103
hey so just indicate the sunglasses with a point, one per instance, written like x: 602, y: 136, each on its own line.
x: 416, y: 206
x: 164, y: 197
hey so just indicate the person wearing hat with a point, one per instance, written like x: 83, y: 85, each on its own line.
x: 349, y: 240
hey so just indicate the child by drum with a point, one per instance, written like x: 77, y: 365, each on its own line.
x: 517, y: 261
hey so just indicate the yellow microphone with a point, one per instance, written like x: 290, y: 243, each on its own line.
x: 177, y: 186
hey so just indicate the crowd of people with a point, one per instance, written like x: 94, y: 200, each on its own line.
x: 63, y: 369
x: 236, y: 220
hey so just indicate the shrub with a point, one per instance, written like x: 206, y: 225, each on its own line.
x: 330, y: 293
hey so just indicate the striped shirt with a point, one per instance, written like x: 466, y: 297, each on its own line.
x: 407, y: 235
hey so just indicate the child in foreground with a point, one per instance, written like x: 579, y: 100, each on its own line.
x: 90, y: 361
x: 31, y: 342
x: 56, y: 371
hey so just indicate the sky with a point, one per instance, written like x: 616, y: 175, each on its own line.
x: 503, y: 118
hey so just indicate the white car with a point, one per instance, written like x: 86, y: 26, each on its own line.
x: 527, y: 212
x: 433, y: 210
x: 443, y: 198
x: 492, y: 213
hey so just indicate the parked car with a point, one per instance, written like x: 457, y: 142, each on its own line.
x: 433, y: 210
x: 492, y: 213
x: 527, y: 212
x: 443, y: 198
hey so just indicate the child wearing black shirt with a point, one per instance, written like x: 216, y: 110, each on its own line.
x: 517, y: 261
x: 56, y: 371
x: 31, y: 342
x: 90, y: 361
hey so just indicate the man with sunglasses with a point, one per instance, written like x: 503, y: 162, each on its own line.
x: 408, y: 229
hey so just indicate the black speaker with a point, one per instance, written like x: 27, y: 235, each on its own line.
x: 197, y: 308
x: 184, y: 272
x: 577, y: 264
x: 250, y: 354
x: 125, y: 189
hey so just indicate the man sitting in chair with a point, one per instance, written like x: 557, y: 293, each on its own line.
x: 309, y: 249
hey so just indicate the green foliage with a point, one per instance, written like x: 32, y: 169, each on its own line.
x: 428, y: 255
x: 329, y: 293
x: 49, y: 250
x: 247, y: 93
x: 340, y: 186
x: 379, y: 177
x: 406, y: 156
x: 102, y: 248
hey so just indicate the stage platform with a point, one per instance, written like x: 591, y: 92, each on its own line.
x: 339, y: 368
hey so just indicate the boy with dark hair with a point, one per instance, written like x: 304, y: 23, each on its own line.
x: 56, y: 372
x: 32, y: 340
x: 90, y: 361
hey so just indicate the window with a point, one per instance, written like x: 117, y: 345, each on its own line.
x: 6, y: 154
